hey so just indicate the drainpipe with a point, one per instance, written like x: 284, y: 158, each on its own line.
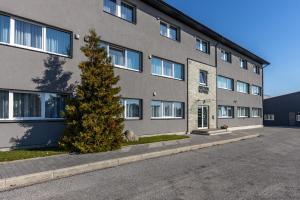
x: 216, y: 65
x: 263, y: 90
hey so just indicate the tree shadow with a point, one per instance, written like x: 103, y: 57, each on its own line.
x: 31, y: 134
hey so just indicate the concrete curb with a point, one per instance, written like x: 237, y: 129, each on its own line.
x: 30, y: 179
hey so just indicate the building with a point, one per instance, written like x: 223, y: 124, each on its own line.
x: 282, y: 110
x: 171, y: 68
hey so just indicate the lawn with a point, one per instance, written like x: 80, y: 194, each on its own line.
x: 36, y: 153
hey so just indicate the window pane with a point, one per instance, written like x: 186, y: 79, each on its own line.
x: 127, y: 12
x: 117, y: 56
x: 173, y: 33
x: 132, y: 108
x: 4, y: 28
x: 54, y: 105
x: 156, y: 66
x: 163, y: 29
x: 204, y: 47
x: 3, y: 104
x: 28, y: 34
x: 27, y: 105
x: 58, y: 42
x: 178, y: 109
x: 203, y: 78
x: 156, y: 109
x: 167, y: 68
x: 178, y: 71
x: 110, y: 6
x: 167, y: 109
x: 133, y: 60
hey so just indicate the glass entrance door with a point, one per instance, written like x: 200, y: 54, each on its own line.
x: 203, y: 117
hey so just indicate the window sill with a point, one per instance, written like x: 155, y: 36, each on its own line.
x: 33, y: 49
x: 169, y: 77
x: 122, y: 67
x: 203, y: 52
x: 166, y: 118
x: 178, y: 41
x: 225, y: 89
x: 242, y: 92
x: 225, y: 117
x: 130, y: 22
x: 132, y: 119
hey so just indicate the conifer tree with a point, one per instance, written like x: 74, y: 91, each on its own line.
x: 94, y: 121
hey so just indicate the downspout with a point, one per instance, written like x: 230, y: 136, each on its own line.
x: 263, y: 91
x: 216, y: 65
x: 187, y: 96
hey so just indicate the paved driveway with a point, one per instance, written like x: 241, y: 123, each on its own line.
x: 267, y: 167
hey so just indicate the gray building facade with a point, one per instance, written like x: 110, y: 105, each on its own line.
x: 150, y: 42
x: 282, y: 110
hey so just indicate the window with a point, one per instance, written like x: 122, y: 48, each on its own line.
x: 256, y: 112
x: 167, y: 68
x: 31, y: 106
x: 203, y: 78
x: 269, y: 117
x: 132, y: 108
x: 298, y: 117
x: 256, y: 90
x: 165, y: 109
x: 58, y: 42
x: 3, y: 104
x: 54, y: 105
x: 28, y: 34
x: 243, y: 112
x: 4, y: 29
x: 169, y: 31
x: 242, y: 87
x: 120, y: 9
x: 226, y: 56
x: 225, y: 111
x: 256, y: 69
x: 124, y: 58
x: 27, y: 105
x: 225, y: 83
x: 33, y: 36
x: 202, y: 45
x: 243, y: 64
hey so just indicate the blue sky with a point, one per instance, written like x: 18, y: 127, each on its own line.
x: 268, y: 28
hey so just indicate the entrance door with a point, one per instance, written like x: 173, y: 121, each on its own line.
x: 203, y: 117
x: 292, y: 119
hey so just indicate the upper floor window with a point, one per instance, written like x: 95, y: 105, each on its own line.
x: 256, y: 112
x: 162, y: 67
x: 225, y: 83
x: 132, y: 108
x: 242, y: 87
x: 124, y: 58
x: 202, y: 45
x: 226, y: 56
x: 166, y: 109
x: 243, y: 112
x: 243, y: 64
x: 169, y: 31
x: 256, y: 90
x: 120, y: 9
x: 225, y: 112
x: 203, y: 78
x: 33, y: 36
x: 4, y: 29
x: 256, y: 69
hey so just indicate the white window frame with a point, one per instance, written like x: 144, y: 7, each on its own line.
x: 125, y: 57
x: 247, y: 87
x: 226, y: 56
x: 119, y: 10
x: 226, y: 108
x: 224, y: 88
x: 168, y: 30
x: 11, y: 41
x: 173, y: 66
x: 201, y: 41
x: 259, y: 111
x: 256, y: 87
x: 269, y: 117
x: 124, y: 101
x: 240, y: 112
x: 173, y: 110
x: 11, y: 107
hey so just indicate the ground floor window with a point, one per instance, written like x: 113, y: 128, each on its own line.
x: 256, y: 112
x: 298, y: 117
x: 243, y: 112
x: 269, y: 117
x: 132, y: 108
x: 19, y: 105
x: 166, y: 109
x: 225, y: 111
